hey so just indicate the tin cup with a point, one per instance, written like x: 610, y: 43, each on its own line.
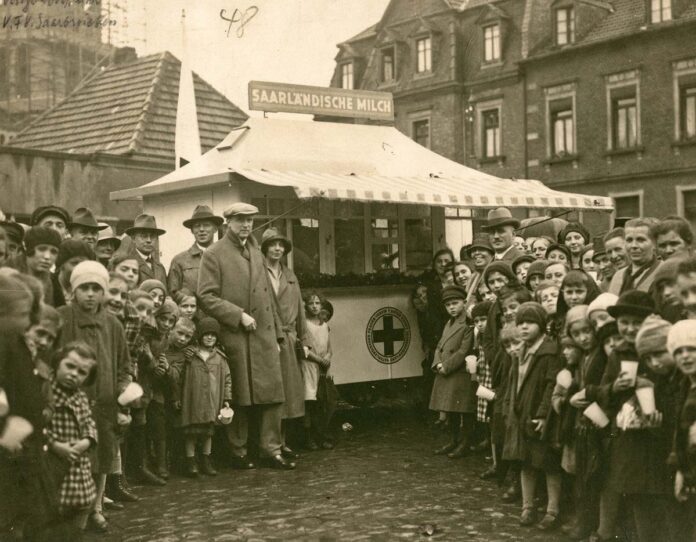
x: 564, y: 378
x: 16, y: 430
x: 631, y: 370
x: 692, y: 436
x: 646, y: 399
x: 471, y: 362
x: 484, y: 393
x: 596, y: 415
x: 133, y: 392
x: 4, y: 403
x: 225, y: 415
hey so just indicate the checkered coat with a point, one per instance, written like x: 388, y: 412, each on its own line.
x: 72, y: 421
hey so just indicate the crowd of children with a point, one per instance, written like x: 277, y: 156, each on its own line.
x: 585, y: 398
x: 120, y: 383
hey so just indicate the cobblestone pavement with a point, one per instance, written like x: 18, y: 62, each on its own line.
x: 381, y: 482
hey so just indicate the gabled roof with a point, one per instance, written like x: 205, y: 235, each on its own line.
x: 354, y: 162
x: 130, y: 109
x: 367, y: 33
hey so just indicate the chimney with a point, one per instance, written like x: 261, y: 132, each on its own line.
x: 123, y: 55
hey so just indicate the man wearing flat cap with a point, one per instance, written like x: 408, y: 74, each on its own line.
x: 53, y: 217
x: 183, y: 272
x: 501, y: 227
x: 144, y: 233
x: 234, y: 288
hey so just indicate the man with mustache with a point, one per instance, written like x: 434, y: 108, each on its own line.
x: 501, y: 230
x: 643, y: 262
x: 183, y: 272
x: 234, y: 288
x: 144, y: 233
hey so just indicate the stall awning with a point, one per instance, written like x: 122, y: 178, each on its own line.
x: 356, y: 163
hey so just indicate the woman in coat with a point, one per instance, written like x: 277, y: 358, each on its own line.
x: 288, y: 301
x: 454, y: 391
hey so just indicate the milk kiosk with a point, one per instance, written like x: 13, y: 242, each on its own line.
x: 365, y: 207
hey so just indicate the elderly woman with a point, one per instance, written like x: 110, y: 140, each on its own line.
x: 290, y: 309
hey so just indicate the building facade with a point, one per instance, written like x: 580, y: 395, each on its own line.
x: 592, y: 96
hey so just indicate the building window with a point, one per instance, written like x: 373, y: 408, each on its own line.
x: 627, y: 206
x: 490, y: 121
x: 660, y: 10
x: 22, y: 71
x: 688, y: 112
x: 624, y: 122
x: 388, y: 65
x: 565, y: 26
x: 347, y: 75
x: 420, y: 130
x: 688, y: 199
x: 491, y: 43
x: 424, y: 51
x: 562, y: 128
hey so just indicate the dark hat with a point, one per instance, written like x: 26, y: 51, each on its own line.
x: 150, y: 284
x: 500, y: 217
x: 41, y: 212
x: 481, y: 241
x: 203, y: 213
x: 573, y: 227
x: 481, y: 309
x: 145, y: 222
x: 610, y: 329
x: 84, y: 217
x: 40, y: 235
x: 537, y: 268
x: 241, y: 208
x: 522, y: 259
x: 500, y: 266
x: 633, y: 302
x: 168, y: 307
x: 667, y: 270
x: 598, y: 246
x: 13, y: 230
x: 329, y: 308
x: 271, y: 235
x: 71, y: 248
x: 207, y: 325
x: 561, y: 248
x: 531, y: 311
x: 453, y: 292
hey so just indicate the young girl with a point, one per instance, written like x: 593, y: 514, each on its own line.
x: 206, y: 388
x: 598, y: 312
x: 520, y: 267
x: 186, y: 301
x: 531, y: 384
x: 156, y: 289
x: 535, y: 274
x: 558, y: 254
x: 574, y: 236
x: 540, y: 246
x: 86, y: 320
x: 72, y: 432
x: 462, y: 273
x: 127, y: 268
x: 577, y: 288
x: 556, y: 272
x: 316, y: 363
x: 454, y: 391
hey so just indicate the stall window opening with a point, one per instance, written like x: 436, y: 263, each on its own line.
x: 305, y: 240
x: 419, y: 243
x: 385, y: 243
x: 349, y: 235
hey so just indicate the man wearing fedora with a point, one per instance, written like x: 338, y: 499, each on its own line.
x: 144, y: 233
x: 183, y: 272
x: 501, y: 227
x: 235, y: 289
x: 14, y: 236
x: 84, y: 227
x: 53, y: 217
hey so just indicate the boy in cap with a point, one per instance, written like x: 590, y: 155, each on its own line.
x: 85, y: 320
x: 454, y: 391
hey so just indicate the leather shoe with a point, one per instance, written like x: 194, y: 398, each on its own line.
x: 278, y: 462
x: 328, y: 445
x: 207, y: 467
x: 489, y: 473
x: 97, y: 522
x: 113, y: 505
x: 118, y: 490
x: 447, y: 448
x: 241, y: 463
x: 146, y: 476
x: 460, y: 451
x: 512, y: 494
x: 528, y: 517
x: 548, y: 522
x: 288, y: 453
x: 311, y: 445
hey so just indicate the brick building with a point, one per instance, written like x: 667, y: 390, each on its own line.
x: 586, y: 95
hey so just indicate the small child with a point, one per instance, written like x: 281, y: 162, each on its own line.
x: 510, y: 300
x: 598, y: 309
x: 454, y: 391
x: 206, y: 388
x: 156, y: 289
x: 317, y: 363
x: 535, y: 274
x: 188, y: 306
x: 72, y: 431
x: 484, y: 377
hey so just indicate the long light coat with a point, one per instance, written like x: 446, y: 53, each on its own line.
x: 454, y: 391
x: 232, y: 281
x: 292, y: 316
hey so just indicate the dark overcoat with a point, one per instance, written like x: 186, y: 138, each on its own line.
x: 157, y: 271
x: 233, y: 280
x: 104, y: 333
x: 183, y: 271
x: 292, y: 317
x: 454, y: 391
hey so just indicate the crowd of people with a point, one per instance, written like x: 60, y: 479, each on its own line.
x: 113, y: 370
x: 573, y: 360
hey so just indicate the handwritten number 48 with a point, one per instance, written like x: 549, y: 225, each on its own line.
x: 240, y: 17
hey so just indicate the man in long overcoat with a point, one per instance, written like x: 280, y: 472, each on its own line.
x: 234, y: 288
